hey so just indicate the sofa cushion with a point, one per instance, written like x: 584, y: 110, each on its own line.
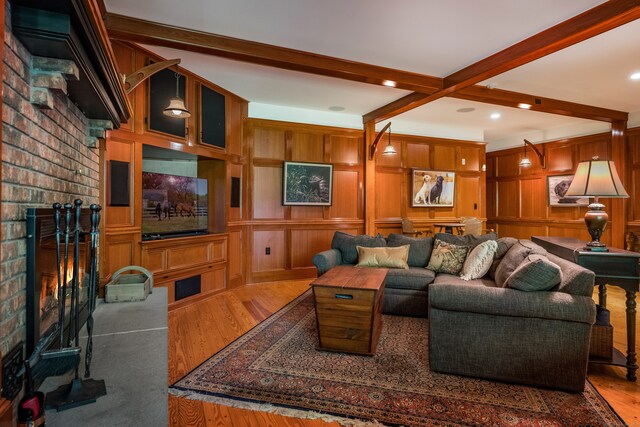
x: 346, y: 244
x: 383, y: 257
x: 447, y: 257
x: 457, y: 280
x: 504, y: 244
x: 479, y: 260
x: 535, y: 273
x: 415, y: 278
x: 470, y: 240
x: 514, y: 257
x: 419, y: 248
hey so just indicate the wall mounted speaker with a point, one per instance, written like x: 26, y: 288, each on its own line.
x: 187, y: 287
x: 235, y: 192
x: 118, y: 183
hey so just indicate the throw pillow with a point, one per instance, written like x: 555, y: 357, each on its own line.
x: 514, y: 257
x: 536, y: 273
x: 383, y: 257
x: 504, y: 244
x: 447, y: 258
x: 419, y: 248
x: 470, y: 240
x: 479, y: 260
x: 346, y: 244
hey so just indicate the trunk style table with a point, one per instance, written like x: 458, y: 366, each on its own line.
x: 348, y: 302
x: 615, y: 268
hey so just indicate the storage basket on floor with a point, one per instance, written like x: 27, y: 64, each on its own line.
x: 129, y: 287
x: 601, y: 341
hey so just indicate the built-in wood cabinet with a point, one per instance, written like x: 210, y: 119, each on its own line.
x: 171, y: 260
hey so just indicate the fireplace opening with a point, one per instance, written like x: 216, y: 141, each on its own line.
x: 42, y: 276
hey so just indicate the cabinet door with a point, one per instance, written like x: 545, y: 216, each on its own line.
x: 162, y: 87
x: 212, y: 118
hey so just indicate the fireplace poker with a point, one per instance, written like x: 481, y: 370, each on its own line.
x: 75, y: 289
x: 56, y: 220
x: 93, y: 285
x: 67, y: 221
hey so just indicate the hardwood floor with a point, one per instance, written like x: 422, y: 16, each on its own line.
x: 198, y: 331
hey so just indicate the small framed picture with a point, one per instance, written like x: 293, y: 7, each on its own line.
x: 307, y: 184
x: 557, y: 187
x: 431, y: 188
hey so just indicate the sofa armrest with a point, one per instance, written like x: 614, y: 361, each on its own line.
x: 325, y: 261
x: 512, y: 302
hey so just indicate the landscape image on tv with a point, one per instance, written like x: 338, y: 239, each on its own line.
x: 173, y: 205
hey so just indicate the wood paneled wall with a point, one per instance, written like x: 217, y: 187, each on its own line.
x: 293, y: 234
x: 517, y: 198
x: 632, y: 185
x: 394, y: 173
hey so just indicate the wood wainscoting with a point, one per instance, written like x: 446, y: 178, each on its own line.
x: 517, y: 197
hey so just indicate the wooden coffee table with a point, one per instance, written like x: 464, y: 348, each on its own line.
x: 348, y: 303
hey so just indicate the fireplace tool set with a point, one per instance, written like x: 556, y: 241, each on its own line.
x: 59, y: 352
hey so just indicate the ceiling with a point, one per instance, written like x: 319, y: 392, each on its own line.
x: 425, y: 36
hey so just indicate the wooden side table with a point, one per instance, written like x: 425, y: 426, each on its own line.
x: 616, y: 268
x: 450, y: 228
x: 348, y: 302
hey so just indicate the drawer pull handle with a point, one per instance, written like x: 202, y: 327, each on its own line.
x: 344, y: 296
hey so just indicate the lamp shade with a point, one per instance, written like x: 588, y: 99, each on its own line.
x: 389, y: 149
x: 176, y: 109
x: 596, y: 178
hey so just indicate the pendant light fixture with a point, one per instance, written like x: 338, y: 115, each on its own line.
x: 176, y: 107
x: 389, y: 148
x: 525, y: 162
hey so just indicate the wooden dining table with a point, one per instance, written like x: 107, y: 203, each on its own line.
x: 450, y: 227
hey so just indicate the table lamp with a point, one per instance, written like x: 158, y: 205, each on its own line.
x: 596, y: 178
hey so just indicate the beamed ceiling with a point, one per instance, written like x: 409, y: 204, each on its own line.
x: 293, y: 60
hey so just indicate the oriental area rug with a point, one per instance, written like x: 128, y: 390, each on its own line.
x: 275, y: 368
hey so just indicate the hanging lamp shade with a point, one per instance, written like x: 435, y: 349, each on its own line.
x: 389, y: 148
x: 176, y: 107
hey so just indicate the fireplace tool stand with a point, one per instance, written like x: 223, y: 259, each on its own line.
x: 81, y: 391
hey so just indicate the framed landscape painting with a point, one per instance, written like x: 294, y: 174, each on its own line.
x: 557, y: 187
x: 432, y: 188
x: 307, y: 184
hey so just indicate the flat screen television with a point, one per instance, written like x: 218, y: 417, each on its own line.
x: 173, y: 205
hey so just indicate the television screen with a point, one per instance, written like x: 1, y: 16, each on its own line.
x: 173, y: 205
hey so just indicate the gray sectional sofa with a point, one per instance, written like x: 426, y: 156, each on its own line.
x: 482, y: 327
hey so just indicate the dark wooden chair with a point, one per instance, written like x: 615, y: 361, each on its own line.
x: 408, y: 230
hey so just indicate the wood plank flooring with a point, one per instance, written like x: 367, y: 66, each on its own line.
x: 198, y: 331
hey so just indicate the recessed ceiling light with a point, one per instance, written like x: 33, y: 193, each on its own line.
x: 635, y: 76
x: 465, y: 110
x: 389, y: 83
x: 336, y: 108
x: 524, y: 106
x: 495, y: 116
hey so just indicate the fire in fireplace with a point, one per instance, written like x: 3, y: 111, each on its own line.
x: 42, y: 278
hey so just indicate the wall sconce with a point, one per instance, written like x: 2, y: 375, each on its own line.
x: 525, y: 162
x: 596, y: 178
x: 374, y: 146
x: 176, y: 107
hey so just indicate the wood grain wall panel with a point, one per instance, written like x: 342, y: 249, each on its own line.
x: 119, y: 254
x: 508, y: 199
x: 560, y: 159
x: 634, y: 191
x: 521, y: 230
x: 507, y: 165
x: 308, y: 212
x: 346, y: 195
x: 533, y: 201
x: 236, y: 171
x: 236, y: 255
x: 468, y: 200
x: 471, y: 157
x: 307, y: 244
x: 307, y: 147
x: 564, y: 213
x: 126, y: 63
x: 267, y: 192
x: 491, y: 167
x: 444, y: 157
x: 417, y: 156
x: 491, y: 198
x: 236, y: 111
x: 122, y: 150
x: 632, y: 182
x: 345, y: 150
x: 275, y: 241
x: 268, y: 143
x: 389, y: 190
x: 600, y: 148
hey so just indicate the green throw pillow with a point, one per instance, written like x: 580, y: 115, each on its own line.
x: 536, y: 273
x: 447, y: 257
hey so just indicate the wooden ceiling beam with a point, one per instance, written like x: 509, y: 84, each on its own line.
x: 595, y: 21
x: 141, y: 31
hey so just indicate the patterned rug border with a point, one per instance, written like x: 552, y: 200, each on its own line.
x: 297, y: 412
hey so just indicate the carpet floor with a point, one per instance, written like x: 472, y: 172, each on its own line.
x: 275, y: 367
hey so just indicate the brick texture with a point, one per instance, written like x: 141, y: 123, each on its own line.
x: 42, y: 150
